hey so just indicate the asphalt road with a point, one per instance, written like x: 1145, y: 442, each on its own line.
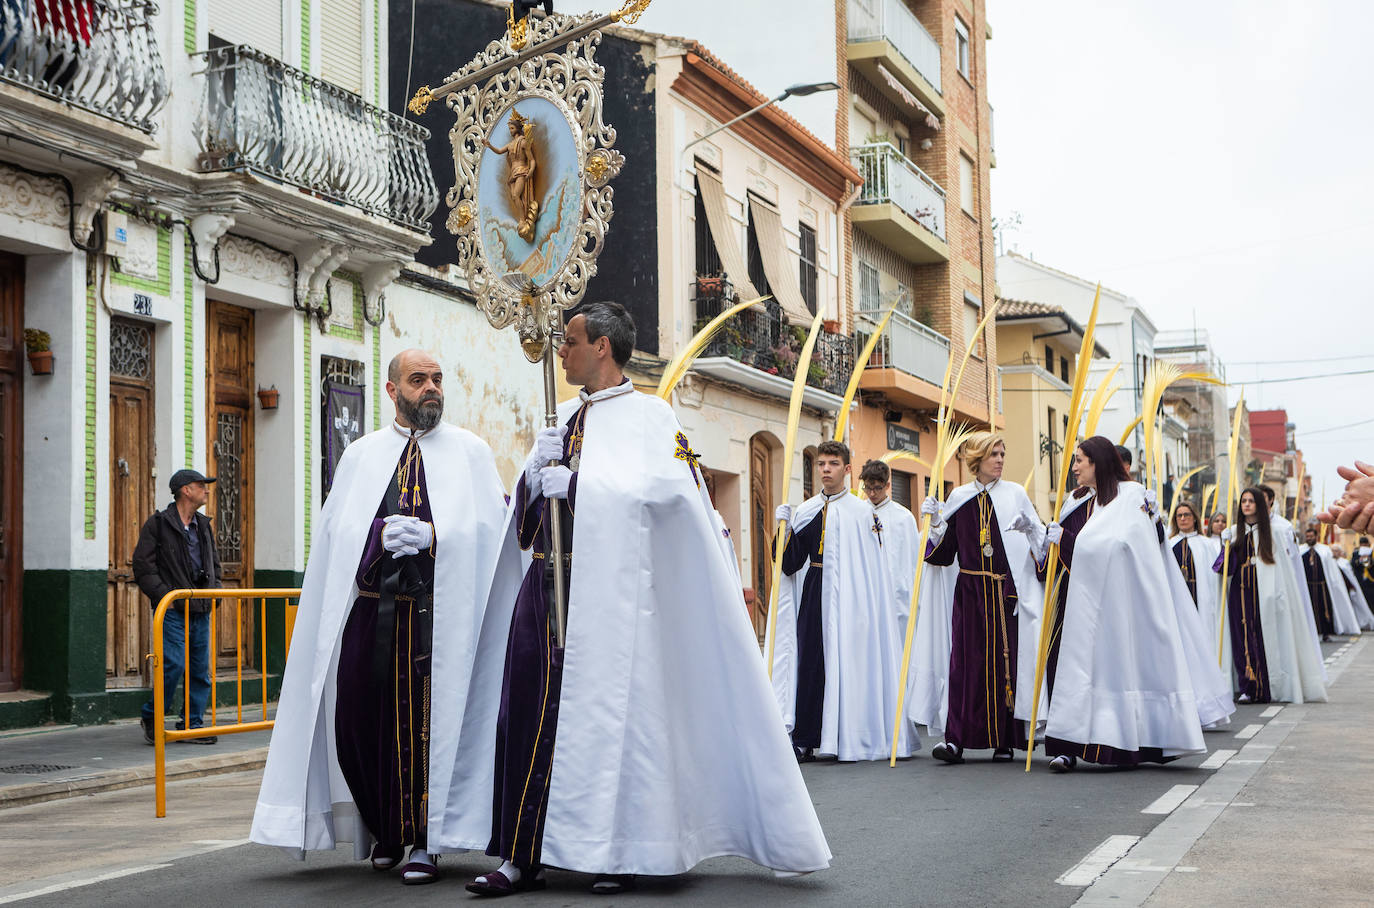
x: 922, y: 833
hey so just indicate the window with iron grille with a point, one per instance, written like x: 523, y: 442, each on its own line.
x: 807, y: 272
x: 868, y: 287
x: 808, y: 473
x: 1049, y: 359
x: 707, y: 258
x: 1064, y: 369
x: 757, y: 276
x: 342, y: 412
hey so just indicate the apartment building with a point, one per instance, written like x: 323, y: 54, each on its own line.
x: 918, y: 127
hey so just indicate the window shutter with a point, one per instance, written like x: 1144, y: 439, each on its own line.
x: 256, y: 23
x: 341, y: 43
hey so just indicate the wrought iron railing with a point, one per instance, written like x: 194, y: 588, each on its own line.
x: 760, y: 337
x: 893, y: 22
x: 906, y: 345
x: 263, y: 116
x: 890, y: 176
x: 98, y: 55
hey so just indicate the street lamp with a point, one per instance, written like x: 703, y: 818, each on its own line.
x: 792, y: 91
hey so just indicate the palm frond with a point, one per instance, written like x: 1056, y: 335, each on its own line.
x: 683, y: 361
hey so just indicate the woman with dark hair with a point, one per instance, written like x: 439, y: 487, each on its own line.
x: 1132, y: 685
x: 1264, y: 608
x: 1194, y: 554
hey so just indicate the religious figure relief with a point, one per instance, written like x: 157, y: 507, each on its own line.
x: 522, y: 162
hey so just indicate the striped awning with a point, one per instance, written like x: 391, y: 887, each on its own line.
x: 783, y: 270
x: 723, y: 231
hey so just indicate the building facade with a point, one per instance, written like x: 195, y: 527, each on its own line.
x: 1039, y: 346
x: 918, y: 128
x: 1208, y: 431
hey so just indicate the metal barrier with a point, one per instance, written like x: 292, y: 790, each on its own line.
x: 161, y: 735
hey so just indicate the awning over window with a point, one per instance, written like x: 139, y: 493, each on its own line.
x: 923, y: 112
x: 723, y: 232
x: 781, y: 268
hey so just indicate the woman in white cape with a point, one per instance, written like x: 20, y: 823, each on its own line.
x: 1130, y: 687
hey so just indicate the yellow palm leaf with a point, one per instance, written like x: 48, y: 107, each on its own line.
x: 1226, y: 509
x: 793, y: 420
x: 1178, y: 490
x: 683, y: 361
x: 1129, y: 429
x: 860, y: 365
x: 893, y: 456
x: 1208, y: 496
x: 1106, y: 390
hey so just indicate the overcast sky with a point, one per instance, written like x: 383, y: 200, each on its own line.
x: 1213, y: 161
x: 1210, y: 159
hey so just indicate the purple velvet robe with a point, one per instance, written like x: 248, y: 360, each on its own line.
x: 527, y: 724
x: 382, y: 729
x: 1183, y: 554
x: 1243, y: 618
x: 983, y: 637
x: 1320, y: 594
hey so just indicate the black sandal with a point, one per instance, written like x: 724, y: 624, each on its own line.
x: 497, y: 884
x: 613, y: 883
x: 384, y: 859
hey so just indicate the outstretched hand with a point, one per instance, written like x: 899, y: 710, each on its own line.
x: 1354, y: 510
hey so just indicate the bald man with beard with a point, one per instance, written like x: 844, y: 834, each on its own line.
x: 403, y: 555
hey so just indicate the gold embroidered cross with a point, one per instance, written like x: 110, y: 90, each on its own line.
x: 684, y: 452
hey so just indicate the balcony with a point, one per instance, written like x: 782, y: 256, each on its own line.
x: 899, y: 205
x: 81, y: 77
x: 272, y: 121
x: 758, y: 349
x: 908, y: 365
x: 885, y: 36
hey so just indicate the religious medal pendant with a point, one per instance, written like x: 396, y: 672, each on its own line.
x: 575, y: 461
x: 985, y: 537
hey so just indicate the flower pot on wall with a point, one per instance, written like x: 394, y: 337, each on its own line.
x: 41, y: 362
x: 831, y: 326
x: 267, y: 398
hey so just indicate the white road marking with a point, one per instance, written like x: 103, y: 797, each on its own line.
x: 1218, y: 759
x: 76, y: 884
x: 1249, y: 732
x: 1098, y: 861
x: 1169, y: 801
x: 1271, y: 712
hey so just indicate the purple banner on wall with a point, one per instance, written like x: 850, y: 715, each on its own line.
x: 343, y: 424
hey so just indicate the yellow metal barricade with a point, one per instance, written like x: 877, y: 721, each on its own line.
x: 160, y: 733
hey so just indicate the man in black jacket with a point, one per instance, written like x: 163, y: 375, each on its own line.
x: 176, y: 551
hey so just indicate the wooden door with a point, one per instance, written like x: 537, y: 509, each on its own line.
x: 229, y: 384
x: 128, y: 617
x: 11, y: 466
x: 761, y: 529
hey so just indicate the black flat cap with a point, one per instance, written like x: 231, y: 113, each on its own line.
x: 182, y: 477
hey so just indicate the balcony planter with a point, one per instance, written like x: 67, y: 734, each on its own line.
x: 267, y: 398
x: 38, y: 345
x: 710, y: 286
x: 831, y: 326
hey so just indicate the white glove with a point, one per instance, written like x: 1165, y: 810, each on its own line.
x: 784, y: 512
x: 1151, y: 503
x: 405, y: 535
x: 555, y: 481
x: 548, y: 447
x: 1228, y: 535
x: 932, y: 507
x: 1053, y: 533
x: 1023, y: 524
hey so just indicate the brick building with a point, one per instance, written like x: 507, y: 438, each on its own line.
x: 916, y: 123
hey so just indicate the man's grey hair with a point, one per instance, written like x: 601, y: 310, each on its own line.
x: 611, y: 321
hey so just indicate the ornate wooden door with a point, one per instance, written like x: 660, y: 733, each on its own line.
x: 128, y: 617
x: 229, y: 385
x: 11, y: 466
x: 761, y: 529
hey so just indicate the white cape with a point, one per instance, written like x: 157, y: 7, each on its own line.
x: 1125, y: 677
x: 928, y: 679
x: 1284, y: 535
x: 668, y: 748
x: 1211, y: 682
x: 1205, y: 551
x: 1357, y: 599
x: 1342, y: 612
x: 862, y: 654
x: 900, y: 536
x: 304, y: 802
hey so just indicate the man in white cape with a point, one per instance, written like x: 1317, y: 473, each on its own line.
x: 650, y: 741
x: 1019, y: 538
x: 368, y: 722
x: 1285, y: 538
x: 1322, y: 574
x: 836, y: 657
x: 899, y: 536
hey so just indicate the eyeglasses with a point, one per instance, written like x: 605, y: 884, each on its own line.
x: 874, y: 486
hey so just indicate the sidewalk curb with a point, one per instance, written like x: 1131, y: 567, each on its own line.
x: 178, y: 770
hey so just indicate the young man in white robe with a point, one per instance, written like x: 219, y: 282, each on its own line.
x: 1326, y: 587
x: 649, y: 740
x: 1285, y: 538
x: 403, y: 555
x: 898, y: 535
x: 978, y: 624
x: 836, y: 657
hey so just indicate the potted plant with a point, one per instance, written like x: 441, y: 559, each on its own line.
x: 816, y: 375
x: 831, y: 326
x: 267, y: 397
x: 710, y: 285
x: 39, y: 347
